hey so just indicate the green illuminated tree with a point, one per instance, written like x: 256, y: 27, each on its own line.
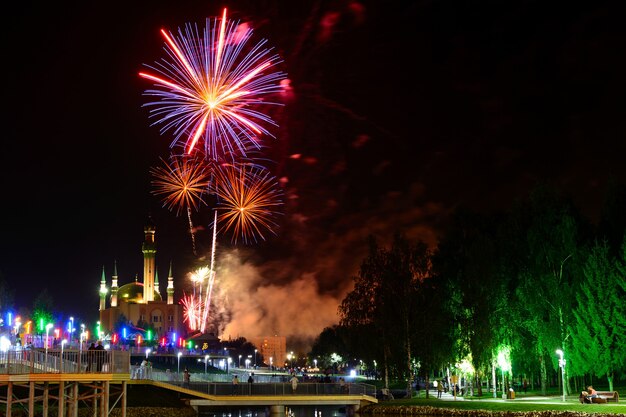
x: 331, y: 340
x: 545, y: 293
x: 597, y: 333
x: 467, y: 263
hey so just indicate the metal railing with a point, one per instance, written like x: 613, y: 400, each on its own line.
x: 278, y: 388
x: 28, y: 361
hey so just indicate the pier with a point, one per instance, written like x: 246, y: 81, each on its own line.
x: 44, y: 378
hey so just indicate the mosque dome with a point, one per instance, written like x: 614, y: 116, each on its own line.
x: 133, y: 293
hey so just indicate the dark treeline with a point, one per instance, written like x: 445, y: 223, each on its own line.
x: 498, y: 297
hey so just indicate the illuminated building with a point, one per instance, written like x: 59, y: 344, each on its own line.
x: 274, y: 347
x: 141, y: 302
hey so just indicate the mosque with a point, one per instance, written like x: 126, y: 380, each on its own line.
x: 141, y: 303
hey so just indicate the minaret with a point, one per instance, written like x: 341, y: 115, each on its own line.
x: 149, y: 251
x: 170, y: 286
x: 156, y: 282
x: 114, y: 286
x: 103, y: 291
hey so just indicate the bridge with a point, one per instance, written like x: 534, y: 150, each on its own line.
x: 41, y: 378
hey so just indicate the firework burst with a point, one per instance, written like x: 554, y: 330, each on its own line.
x: 248, y: 199
x: 211, y: 86
x: 182, y: 184
x: 192, y: 308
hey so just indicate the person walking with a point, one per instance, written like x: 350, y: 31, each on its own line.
x: 439, y: 389
x: 250, y: 381
x: 235, y: 384
x: 294, y: 383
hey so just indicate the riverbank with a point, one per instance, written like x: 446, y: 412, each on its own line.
x: 415, y: 410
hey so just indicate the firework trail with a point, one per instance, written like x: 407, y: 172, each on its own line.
x: 198, y: 277
x: 211, y: 85
x: 182, y: 183
x: 207, y: 302
x: 248, y: 199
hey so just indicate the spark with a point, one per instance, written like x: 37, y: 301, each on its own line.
x: 212, y: 87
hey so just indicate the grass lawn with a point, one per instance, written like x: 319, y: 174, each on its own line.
x: 523, y: 403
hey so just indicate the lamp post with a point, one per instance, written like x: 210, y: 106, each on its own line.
x: 48, y: 327
x: 206, y: 360
x: 179, y: 355
x: 247, y: 363
x: 315, y: 364
x: 148, y: 350
x: 254, y: 358
x: 82, y: 335
x: 71, y: 329
x: 239, y: 362
x: 562, y: 366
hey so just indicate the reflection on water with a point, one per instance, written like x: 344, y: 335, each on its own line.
x: 298, y: 411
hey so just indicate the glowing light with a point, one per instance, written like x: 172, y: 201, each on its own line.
x: 211, y: 87
x: 248, y: 199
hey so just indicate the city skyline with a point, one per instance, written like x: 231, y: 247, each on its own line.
x: 396, y: 115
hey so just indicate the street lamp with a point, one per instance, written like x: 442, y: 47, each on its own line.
x: 148, y: 350
x: 71, y: 329
x: 247, y: 363
x: 179, y: 355
x: 254, y: 358
x: 562, y: 366
x: 239, y: 362
x: 48, y: 327
x: 82, y: 335
x: 206, y: 359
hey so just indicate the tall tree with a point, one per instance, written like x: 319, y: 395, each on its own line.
x: 384, y: 297
x: 545, y: 292
x: 467, y: 263
x: 596, y: 344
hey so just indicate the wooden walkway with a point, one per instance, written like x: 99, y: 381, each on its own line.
x: 37, y: 380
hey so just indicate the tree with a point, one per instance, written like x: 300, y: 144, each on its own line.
x: 599, y: 317
x: 467, y: 264
x: 384, y: 297
x: 6, y: 295
x: 545, y: 296
x: 331, y: 340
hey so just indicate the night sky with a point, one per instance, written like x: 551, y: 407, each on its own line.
x: 399, y: 112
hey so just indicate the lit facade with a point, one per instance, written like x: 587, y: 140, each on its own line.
x: 274, y: 347
x: 141, y: 302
